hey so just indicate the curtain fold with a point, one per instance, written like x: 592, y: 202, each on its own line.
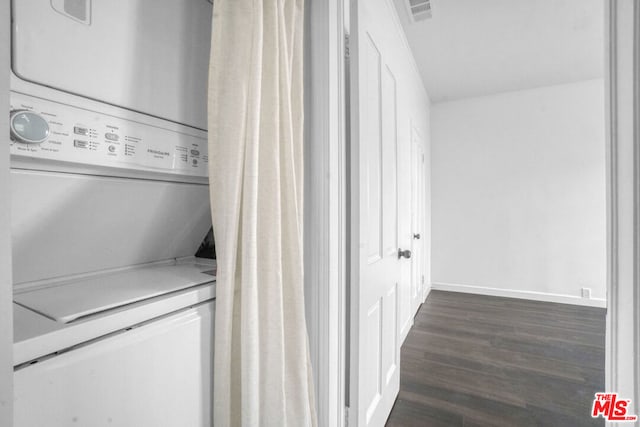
x: 262, y: 365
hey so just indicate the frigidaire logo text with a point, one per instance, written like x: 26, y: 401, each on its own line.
x: 161, y: 153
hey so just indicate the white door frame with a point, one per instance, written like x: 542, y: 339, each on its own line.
x: 6, y: 288
x: 623, y: 199
x: 417, y: 141
x: 325, y: 206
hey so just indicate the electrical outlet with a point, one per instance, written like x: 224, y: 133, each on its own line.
x: 586, y: 293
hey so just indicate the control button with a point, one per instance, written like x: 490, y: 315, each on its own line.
x: 28, y: 127
x: 80, y: 144
x: 111, y: 136
x: 79, y: 130
x: 195, y: 162
x: 195, y: 153
x: 112, y: 148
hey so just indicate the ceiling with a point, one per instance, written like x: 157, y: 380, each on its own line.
x: 474, y: 48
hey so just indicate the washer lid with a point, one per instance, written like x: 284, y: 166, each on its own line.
x: 80, y: 298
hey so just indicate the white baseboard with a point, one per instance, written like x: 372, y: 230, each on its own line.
x: 404, y: 330
x: 425, y: 294
x: 512, y: 293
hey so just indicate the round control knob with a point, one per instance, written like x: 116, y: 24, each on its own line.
x: 28, y: 127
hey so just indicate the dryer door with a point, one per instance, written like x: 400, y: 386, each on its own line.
x: 149, y: 56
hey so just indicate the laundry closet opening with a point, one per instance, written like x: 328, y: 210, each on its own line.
x: 114, y: 271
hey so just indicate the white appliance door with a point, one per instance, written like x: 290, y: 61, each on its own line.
x: 149, y: 56
x: 156, y: 375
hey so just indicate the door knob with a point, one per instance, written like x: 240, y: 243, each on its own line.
x: 416, y: 236
x: 404, y: 254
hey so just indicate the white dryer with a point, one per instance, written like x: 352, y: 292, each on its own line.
x: 110, y: 201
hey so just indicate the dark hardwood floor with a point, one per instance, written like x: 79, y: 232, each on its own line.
x: 479, y: 361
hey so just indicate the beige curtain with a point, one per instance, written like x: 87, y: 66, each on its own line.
x: 262, y: 370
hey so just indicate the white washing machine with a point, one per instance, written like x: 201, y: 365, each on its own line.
x: 113, y: 313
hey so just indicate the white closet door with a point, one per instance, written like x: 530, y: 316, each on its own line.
x: 156, y: 375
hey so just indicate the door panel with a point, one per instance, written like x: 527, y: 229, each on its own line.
x: 373, y: 382
x: 389, y: 346
x: 389, y: 166
x: 373, y: 154
x: 374, y: 346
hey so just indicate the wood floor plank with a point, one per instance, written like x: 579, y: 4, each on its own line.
x: 474, y: 360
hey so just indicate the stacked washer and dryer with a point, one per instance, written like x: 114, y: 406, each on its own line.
x: 110, y: 201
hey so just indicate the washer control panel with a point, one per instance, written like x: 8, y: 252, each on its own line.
x: 49, y: 130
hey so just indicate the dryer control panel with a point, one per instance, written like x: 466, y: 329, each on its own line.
x: 48, y: 130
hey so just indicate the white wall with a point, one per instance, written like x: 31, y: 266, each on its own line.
x: 519, y: 193
x: 6, y: 314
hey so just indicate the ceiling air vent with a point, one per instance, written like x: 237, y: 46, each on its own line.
x: 419, y: 10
